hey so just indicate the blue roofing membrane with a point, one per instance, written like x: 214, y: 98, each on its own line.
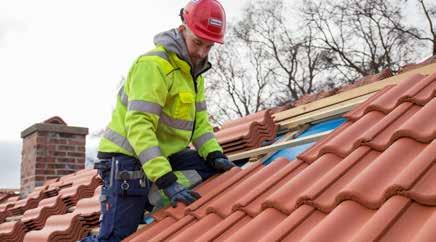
x: 292, y: 152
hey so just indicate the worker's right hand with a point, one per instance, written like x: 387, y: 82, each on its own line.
x: 178, y: 193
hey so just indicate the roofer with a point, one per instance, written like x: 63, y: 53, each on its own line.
x: 160, y: 110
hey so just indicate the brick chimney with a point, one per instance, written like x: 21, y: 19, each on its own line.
x: 50, y: 150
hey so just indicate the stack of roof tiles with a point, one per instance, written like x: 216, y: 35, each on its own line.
x: 55, y: 197
x: 12, y: 231
x: 71, y: 226
x: 5, y: 194
x: 246, y: 133
x: 35, y: 218
x: 9, y: 203
x: 372, y: 179
x: 31, y: 201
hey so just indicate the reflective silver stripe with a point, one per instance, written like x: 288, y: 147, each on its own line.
x: 161, y: 54
x: 193, y: 177
x: 176, y: 123
x: 200, y: 106
x: 143, y: 106
x: 149, y: 107
x: 138, y: 174
x: 149, y: 154
x: 123, y: 96
x: 118, y: 139
x: 203, y: 139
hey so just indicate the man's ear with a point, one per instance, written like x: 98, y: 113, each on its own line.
x: 181, y: 28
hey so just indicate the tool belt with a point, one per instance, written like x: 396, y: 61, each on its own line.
x: 124, y: 179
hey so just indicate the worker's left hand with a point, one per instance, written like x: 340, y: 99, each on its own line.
x: 178, y: 193
x: 221, y: 164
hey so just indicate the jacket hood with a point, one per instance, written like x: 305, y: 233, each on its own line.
x: 173, y: 41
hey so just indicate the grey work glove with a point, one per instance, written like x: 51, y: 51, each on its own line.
x: 178, y: 193
x: 219, y: 161
x: 221, y: 164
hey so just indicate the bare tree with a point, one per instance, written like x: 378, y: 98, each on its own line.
x: 264, y: 62
x: 298, y: 63
x: 430, y: 15
x: 363, y: 35
x: 276, y: 53
x: 425, y: 33
x: 240, y: 80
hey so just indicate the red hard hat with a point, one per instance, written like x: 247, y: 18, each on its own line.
x: 206, y: 18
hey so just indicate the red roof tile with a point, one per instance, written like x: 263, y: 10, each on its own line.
x: 370, y: 179
x: 247, y: 132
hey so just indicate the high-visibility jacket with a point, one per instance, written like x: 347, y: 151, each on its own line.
x: 160, y: 109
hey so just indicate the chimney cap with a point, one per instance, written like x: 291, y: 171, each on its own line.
x: 57, y: 128
x: 55, y: 120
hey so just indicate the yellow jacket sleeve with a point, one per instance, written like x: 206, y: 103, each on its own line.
x: 147, y: 89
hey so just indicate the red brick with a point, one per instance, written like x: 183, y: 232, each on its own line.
x: 76, y: 154
x: 66, y: 147
x: 48, y: 171
x: 39, y: 146
x: 41, y: 152
x: 41, y: 140
x: 39, y: 178
x: 58, y: 141
x: 40, y: 159
x: 57, y: 153
x: 53, y: 135
x: 56, y: 166
x: 65, y: 135
x: 80, y: 142
x: 65, y: 160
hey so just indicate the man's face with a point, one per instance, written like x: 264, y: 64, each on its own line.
x: 198, y: 48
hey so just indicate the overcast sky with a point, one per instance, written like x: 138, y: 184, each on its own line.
x: 66, y: 58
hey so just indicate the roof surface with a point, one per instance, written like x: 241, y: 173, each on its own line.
x: 370, y: 179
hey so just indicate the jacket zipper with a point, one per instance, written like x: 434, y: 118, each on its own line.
x: 194, y: 79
